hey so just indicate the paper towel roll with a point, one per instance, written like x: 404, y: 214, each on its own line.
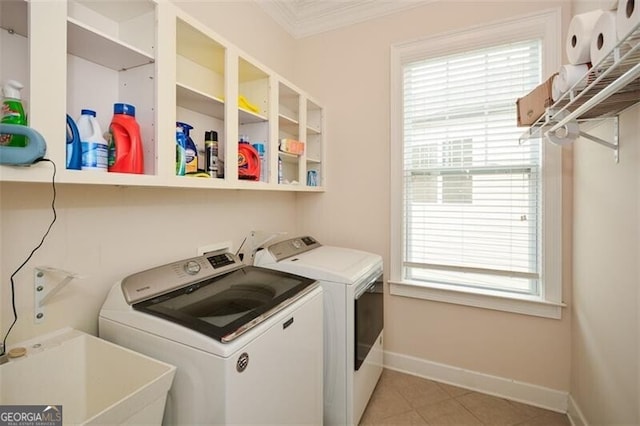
x: 627, y: 17
x: 556, y: 93
x: 570, y: 75
x: 604, y: 38
x: 578, y: 43
x: 563, y: 135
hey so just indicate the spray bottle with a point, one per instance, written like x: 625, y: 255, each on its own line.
x: 191, y: 150
x: 13, y: 113
x: 211, y: 152
x: 181, y: 147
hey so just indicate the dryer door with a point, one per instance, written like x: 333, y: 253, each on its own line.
x: 369, y: 321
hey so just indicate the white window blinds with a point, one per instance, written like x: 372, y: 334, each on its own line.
x: 471, y: 205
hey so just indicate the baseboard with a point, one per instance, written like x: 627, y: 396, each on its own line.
x: 527, y: 393
x: 575, y: 414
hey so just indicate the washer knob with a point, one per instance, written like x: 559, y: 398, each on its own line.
x: 191, y: 267
x: 297, y: 244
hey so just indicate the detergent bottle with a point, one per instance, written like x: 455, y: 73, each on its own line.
x: 74, y: 146
x: 191, y: 150
x: 13, y: 113
x: 248, y: 161
x: 263, y: 161
x: 181, y: 148
x: 125, y: 142
x: 94, y: 145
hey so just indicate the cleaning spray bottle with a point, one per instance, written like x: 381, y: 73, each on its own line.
x: 13, y: 113
x: 191, y: 150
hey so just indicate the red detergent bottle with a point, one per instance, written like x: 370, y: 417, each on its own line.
x: 125, y: 143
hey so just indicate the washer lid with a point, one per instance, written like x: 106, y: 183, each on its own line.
x: 226, y: 306
x: 334, y: 264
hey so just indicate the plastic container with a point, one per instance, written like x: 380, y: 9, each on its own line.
x: 13, y: 113
x: 259, y: 147
x: 280, y: 173
x: 94, y: 145
x: 74, y: 146
x: 248, y: 162
x: 181, y: 148
x: 125, y: 142
x: 191, y: 150
x: 211, y: 153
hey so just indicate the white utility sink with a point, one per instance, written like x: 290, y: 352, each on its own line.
x: 95, y: 381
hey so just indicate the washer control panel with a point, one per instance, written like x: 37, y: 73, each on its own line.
x: 162, y: 279
x: 292, y: 247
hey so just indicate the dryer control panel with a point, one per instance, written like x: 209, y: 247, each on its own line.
x: 292, y: 247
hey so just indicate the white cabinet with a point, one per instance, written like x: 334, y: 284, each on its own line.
x: 94, y: 53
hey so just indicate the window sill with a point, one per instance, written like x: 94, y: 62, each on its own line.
x: 478, y: 298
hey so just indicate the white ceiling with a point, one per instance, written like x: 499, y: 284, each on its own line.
x: 302, y: 18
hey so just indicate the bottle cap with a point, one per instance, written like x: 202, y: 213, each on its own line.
x: 211, y: 135
x: 124, y: 109
x: 88, y: 112
x: 11, y: 89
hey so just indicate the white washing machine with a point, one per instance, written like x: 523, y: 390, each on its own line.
x: 353, y: 318
x: 246, y: 341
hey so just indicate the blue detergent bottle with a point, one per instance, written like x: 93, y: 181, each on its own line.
x: 74, y: 146
x: 191, y: 150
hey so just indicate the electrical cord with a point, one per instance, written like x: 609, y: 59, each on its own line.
x: 13, y: 293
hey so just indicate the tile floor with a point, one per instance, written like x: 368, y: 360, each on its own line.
x: 402, y: 399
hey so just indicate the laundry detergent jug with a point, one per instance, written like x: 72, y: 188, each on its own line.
x: 125, y: 142
x: 74, y: 146
x: 248, y: 162
x: 94, y: 145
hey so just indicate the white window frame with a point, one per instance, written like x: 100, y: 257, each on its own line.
x: 545, y: 25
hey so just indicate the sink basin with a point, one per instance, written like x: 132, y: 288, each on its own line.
x: 95, y: 381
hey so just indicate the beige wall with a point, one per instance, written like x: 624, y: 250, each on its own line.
x: 605, y: 366
x: 104, y: 233
x: 605, y: 362
x: 349, y: 70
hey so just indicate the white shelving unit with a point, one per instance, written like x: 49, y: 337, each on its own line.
x: 132, y: 52
x: 610, y: 86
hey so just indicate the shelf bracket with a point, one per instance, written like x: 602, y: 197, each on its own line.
x: 615, y: 145
x: 41, y: 294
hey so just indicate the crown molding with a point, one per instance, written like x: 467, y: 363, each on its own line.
x: 303, y: 18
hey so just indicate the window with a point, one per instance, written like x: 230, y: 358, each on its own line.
x: 475, y: 210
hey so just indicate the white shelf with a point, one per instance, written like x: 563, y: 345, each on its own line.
x: 289, y: 158
x: 198, y: 101
x: 611, y: 86
x: 176, y: 67
x: 249, y: 117
x: 94, y: 46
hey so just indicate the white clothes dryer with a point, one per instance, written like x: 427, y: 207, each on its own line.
x: 353, y: 318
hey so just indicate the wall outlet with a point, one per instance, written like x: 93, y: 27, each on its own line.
x: 225, y: 246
